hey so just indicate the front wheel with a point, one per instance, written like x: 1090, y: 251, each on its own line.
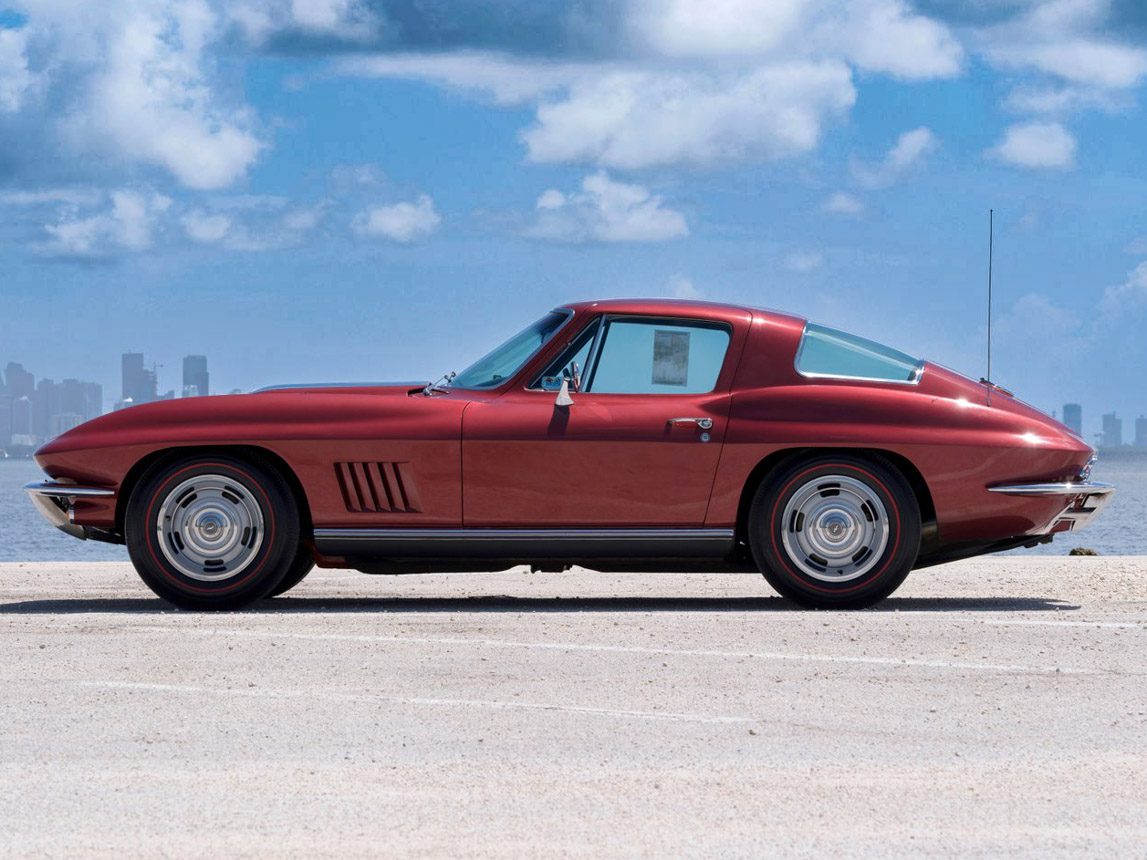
x: 835, y: 531
x: 212, y: 532
x: 302, y: 565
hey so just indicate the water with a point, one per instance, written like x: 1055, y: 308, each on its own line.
x: 24, y: 536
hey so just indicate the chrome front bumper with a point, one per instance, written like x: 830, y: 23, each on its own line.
x: 1083, y: 500
x: 54, y: 501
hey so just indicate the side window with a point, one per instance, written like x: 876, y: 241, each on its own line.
x: 827, y: 352
x: 658, y: 357
x: 573, y: 360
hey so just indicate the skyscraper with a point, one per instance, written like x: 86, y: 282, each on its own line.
x: 1141, y: 432
x: 5, y: 418
x: 138, y: 382
x: 196, y: 379
x: 21, y: 383
x: 1073, y: 418
x: 1112, y: 431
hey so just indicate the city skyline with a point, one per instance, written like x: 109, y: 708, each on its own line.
x: 52, y: 408
x: 33, y: 411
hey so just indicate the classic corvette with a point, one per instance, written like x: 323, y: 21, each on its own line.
x: 616, y: 435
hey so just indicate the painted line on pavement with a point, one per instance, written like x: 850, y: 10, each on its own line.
x: 1036, y: 622
x: 626, y: 649
x: 494, y: 704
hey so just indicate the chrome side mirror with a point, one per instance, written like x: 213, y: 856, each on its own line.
x: 563, y: 398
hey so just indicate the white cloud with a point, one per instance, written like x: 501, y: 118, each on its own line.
x: 505, y: 80
x: 1062, y: 40
x: 644, y: 119
x: 1063, y: 100
x: 204, y: 227
x: 127, y: 225
x: 136, y: 82
x: 715, y: 28
x: 803, y: 262
x: 346, y: 18
x: 153, y: 103
x: 1036, y: 144
x: 245, y: 225
x: 681, y: 287
x: 887, y: 36
x: 883, y: 36
x: 1131, y: 293
x: 303, y: 220
x: 350, y: 20
x: 631, y: 116
x: 909, y: 150
x: 1136, y: 246
x: 841, y: 203
x: 702, y: 82
x: 606, y: 211
x: 400, y: 222
x: 1079, y: 60
x: 15, y: 79
x: 51, y: 196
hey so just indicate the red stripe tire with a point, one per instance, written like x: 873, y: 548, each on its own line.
x: 835, y: 531
x: 212, y: 532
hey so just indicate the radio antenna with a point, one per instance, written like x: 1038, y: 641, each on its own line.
x: 991, y: 231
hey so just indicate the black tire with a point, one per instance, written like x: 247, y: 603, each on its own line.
x: 241, y: 511
x: 815, y: 531
x: 302, y: 565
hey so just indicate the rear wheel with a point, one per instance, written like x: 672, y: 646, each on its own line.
x: 212, y: 532
x: 302, y: 565
x: 835, y: 531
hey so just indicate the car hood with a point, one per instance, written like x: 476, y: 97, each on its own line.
x: 281, y: 413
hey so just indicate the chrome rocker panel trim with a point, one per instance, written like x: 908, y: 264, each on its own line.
x: 54, y: 502
x: 524, y: 543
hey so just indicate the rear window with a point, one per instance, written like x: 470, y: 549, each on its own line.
x: 828, y: 352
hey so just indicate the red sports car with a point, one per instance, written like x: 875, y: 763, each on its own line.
x: 617, y: 435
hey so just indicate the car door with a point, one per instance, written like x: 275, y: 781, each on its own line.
x: 638, y: 446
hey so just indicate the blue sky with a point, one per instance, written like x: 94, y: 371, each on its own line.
x: 343, y: 189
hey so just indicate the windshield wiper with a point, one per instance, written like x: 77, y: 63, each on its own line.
x: 442, y: 384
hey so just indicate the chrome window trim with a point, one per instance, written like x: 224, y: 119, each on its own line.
x: 535, y: 385
x: 917, y: 371
x: 601, y: 337
x: 518, y: 371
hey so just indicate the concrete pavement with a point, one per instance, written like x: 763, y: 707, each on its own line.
x: 993, y: 706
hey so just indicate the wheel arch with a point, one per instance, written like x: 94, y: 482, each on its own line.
x: 247, y: 453
x: 779, y: 459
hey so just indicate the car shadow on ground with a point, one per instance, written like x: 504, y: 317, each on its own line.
x: 287, y: 605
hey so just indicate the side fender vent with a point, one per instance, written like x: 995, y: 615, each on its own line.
x: 377, y: 487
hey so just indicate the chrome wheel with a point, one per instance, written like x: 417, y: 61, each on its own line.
x: 210, y: 527
x: 834, y: 528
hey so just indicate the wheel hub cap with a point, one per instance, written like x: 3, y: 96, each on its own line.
x: 835, y: 528
x: 210, y: 527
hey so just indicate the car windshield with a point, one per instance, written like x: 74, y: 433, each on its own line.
x: 494, y: 368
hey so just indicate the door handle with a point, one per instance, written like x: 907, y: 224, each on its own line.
x: 703, y: 423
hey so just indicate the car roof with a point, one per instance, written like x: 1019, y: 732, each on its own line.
x: 673, y: 307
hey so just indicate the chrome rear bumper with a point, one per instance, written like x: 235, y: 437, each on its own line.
x: 1083, y: 499
x: 54, y: 501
